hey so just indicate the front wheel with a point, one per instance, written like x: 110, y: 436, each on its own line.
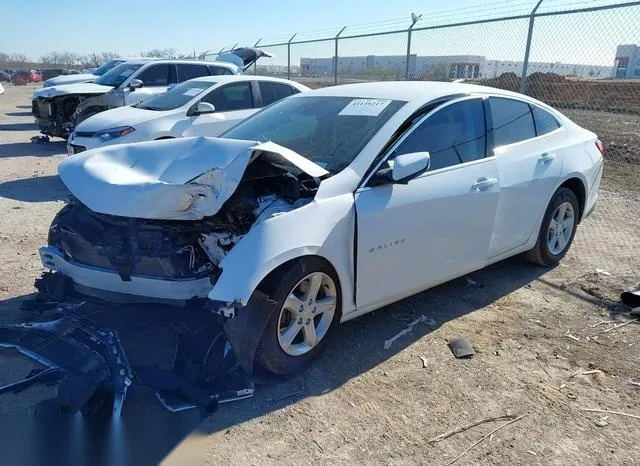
x: 557, y: 230
x: 308, y: 310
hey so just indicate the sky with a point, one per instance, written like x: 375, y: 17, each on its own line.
x: 129, y: 28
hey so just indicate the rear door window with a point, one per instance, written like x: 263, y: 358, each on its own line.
x: 188, y: 71
x: 272, y: 92
x: 156, y: 75
x: 512, y: 121
x: 545, y: 121
x: 236, y: 96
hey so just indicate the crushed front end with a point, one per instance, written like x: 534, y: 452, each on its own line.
x: 53, y: 115
x: 58, y: 114
x: 130, y: 259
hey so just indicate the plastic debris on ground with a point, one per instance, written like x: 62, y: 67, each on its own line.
x: 96, y: 350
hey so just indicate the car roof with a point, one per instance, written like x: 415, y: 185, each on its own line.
x: 219, y: 79
x: 409, y: 90
x: 137, y: 61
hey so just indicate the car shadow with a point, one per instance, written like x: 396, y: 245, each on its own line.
x: 37, y: 189
x: 19, y: 127
x: 30, y: 149
x: 362, y: 340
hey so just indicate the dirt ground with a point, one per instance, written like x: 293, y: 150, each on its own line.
x: 535, y: 332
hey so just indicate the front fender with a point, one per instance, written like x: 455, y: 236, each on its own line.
x: 324, y: 228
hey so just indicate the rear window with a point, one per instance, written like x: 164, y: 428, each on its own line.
x: 512, y: 121
x: 219, y: 70
x: 545, y: 121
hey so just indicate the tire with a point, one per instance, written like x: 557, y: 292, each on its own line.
x: 544, y: 252
x: 273, y: 353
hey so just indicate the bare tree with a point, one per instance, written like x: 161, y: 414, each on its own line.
x: 93, y: 60
x: 160, y: 53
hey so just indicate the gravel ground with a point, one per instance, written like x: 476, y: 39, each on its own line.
x: 534, y: 330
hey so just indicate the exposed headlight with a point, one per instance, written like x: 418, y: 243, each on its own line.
x: 114, y: 133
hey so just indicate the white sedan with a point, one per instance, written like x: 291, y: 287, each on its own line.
x: 203, y: 106
x: 325, y: 206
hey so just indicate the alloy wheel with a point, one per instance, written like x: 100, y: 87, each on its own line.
x: 560, y: 228
x: 307, y: 313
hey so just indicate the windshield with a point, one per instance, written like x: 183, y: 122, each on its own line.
x: 102, y: 69
x: 176, y: 97
x: 330, y: 131
x: 116, y: 76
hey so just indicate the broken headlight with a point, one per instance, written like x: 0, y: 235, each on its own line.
x: 114, y: 133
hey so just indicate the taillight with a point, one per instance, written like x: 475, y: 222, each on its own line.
x: 600, y: 147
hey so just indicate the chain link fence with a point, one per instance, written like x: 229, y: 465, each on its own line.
x: 581, y: 56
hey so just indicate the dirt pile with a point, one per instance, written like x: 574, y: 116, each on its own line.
x: 566, y: 92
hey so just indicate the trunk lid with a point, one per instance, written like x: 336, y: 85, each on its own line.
x: 243, y: 57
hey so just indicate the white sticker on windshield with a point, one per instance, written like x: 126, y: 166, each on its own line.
x: 126, y: 73
x: 365, y: 107
x: 192, y: 92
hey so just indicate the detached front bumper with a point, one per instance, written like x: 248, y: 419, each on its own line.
x: 107, y: 280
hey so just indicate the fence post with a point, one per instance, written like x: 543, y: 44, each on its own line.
x: 289, y: 56
x: 255, y: 64
x: 406, y: 65
x: 335, y: 59
x: 527, y: 50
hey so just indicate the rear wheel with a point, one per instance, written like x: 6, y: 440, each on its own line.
x: 309, y: 307
x: 557, y: 230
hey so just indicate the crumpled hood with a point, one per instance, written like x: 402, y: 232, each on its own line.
x: 155, y: 180
x: 70, y: 79
x: 66, y: 89
x: 116, y: 117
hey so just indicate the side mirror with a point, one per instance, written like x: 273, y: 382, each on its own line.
x: 135, y: 84
x: 408, y: 166
x: 203, y: 108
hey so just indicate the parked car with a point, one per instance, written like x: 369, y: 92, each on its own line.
x: 5, y: 77
x: 60, y: 77
x: 21, y: 78
x: 58, y: 109
x: 327, y: 205
x: 199, y: 107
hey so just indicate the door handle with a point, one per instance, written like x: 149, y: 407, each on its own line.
x: 484, y: 183
x: 544, y: 158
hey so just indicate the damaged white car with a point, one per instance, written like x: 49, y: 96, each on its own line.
x: 58, y: 109
x: 325, y: 206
